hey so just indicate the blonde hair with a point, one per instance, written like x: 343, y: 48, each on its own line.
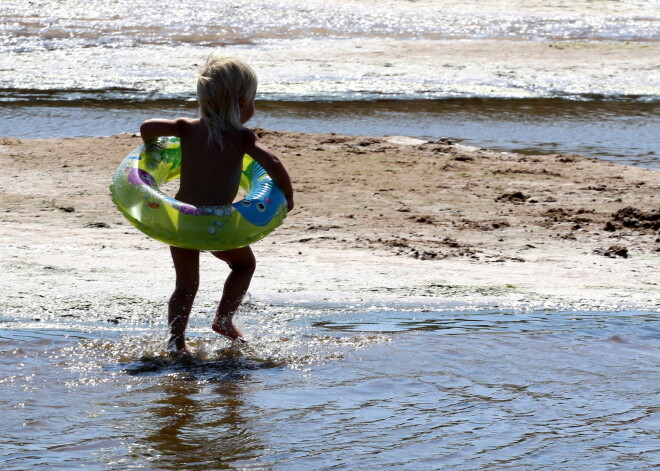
x: 221, y: 83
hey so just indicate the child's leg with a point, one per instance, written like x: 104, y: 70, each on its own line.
x: 186, y: 265
x: 242, y: 264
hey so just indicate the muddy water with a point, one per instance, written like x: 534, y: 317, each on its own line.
x: 332, y: 386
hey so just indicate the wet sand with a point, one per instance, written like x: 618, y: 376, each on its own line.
x: 376, y: 218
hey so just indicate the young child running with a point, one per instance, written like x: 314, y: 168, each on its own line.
x: 212, y: 149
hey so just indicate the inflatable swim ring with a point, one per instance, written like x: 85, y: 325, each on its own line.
x: 136, y: 194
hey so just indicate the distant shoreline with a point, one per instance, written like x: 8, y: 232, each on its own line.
x: 618, y: 131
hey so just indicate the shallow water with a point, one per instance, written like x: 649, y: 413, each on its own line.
x: 332, y: 386
x: 614, y: 131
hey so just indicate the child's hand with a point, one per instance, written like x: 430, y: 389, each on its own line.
x: 153, y: 146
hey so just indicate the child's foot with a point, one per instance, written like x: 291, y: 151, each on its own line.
x: 227, y: 328
x: 177, y: 345
x: 184, y: 355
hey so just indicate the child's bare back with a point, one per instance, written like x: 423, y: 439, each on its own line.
x: 210, y: 175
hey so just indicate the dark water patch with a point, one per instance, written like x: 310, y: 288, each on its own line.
x: 55, y: 97
x: 44, y: 336
x: 227, y: 365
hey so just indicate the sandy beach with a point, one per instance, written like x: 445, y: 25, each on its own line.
x: 441, y: 297
x: 392, y: 218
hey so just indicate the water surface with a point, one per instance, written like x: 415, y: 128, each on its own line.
x: 622, y: 132
x: 337, y: 387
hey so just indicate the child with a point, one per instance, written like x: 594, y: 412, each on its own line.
x: 212, y: 149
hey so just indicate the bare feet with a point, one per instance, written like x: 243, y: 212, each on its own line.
x: 177, y: 344
x: 225, y: 326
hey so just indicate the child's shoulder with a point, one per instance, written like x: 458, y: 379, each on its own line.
x: 248, y: 135
x: 244, y: 137
x: 190, y: 127
x: 181, y: 127
x: 184, y: 121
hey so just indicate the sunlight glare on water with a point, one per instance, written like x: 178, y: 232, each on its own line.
x: 29, y: 24
x: 341, y: 50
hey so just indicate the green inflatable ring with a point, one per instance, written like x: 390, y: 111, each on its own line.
x: 136, y: 194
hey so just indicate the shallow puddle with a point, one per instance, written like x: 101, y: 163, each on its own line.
x: 337, y: 387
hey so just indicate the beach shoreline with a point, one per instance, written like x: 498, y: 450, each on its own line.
x: 621, y: 131
x: 378, y: 220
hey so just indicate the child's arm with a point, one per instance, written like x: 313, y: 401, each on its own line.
x: 154, y: 128
x: 272, y: 165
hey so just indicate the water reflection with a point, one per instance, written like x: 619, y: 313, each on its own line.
x: 199, y: 417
